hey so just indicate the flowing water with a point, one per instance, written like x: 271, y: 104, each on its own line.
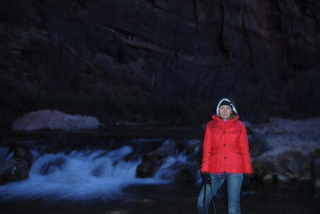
x: 94, y: 172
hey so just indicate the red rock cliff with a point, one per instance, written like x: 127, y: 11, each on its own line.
x: 265, y: 53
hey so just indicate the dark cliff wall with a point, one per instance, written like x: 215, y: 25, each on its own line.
x: 264, y: 54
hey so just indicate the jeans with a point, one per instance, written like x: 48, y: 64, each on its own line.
x: 233, y: 184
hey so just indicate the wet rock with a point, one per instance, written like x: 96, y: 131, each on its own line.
x: 15, y: 169
x: 193, y: 146
x: 165, y: 162
x: 289, y: 163
x: 259, y: 171
x: 22, y: 150
x: 193, y: 151
x: 152, y: 161
x: 148, y: 167
x: 166, y: 149
x: 180, y: 173
x: 53, y: 120
x: 258, y: 145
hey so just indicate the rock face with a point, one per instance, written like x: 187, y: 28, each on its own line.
x: 53, y: 120
x: 265, y: 53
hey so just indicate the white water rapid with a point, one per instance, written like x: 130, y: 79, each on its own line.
x: 78, y: 176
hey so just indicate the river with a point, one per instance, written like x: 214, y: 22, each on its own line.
x: 94, y: 172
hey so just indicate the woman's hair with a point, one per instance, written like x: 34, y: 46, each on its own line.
x: 233, y: 115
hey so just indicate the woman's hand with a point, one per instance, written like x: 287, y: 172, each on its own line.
x: 206, y: 179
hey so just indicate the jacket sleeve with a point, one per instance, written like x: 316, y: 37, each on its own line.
x: 245, y: 150
x: 206, y: 150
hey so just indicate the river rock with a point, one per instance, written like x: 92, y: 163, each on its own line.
x: 258, y: 144
x: 180, y: 172
x: 22, y: 150
x: 288, y: 163
x: 148, y: 167
x: 166, y: 149
x: 193, y: 151
x: 53, y: 120
x: 15, y: 169
x: 258, y: 169
x: 152, y: 161
x: 193, y: 146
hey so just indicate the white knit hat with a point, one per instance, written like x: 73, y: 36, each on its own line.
x: 226, y: 101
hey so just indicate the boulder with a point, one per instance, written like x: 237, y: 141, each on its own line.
x: 193, y: 146
x: 152, y: 161
x: 164, y: 162
x: 166, y: 149
x: 259, y: 171
x: 180, y: 172
x: 15, y: 169
x: 258, y: 145
x: 193, y: 151
x: 53, y: 120
x: 148, y: 167
x: 288, y: 163
x: 22, y: 150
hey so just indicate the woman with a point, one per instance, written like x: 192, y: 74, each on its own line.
x: 225, y: 157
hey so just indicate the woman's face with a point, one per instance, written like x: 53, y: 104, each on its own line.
x: 225, y: 111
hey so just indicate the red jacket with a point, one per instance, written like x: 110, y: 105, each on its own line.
x: 225, y: 147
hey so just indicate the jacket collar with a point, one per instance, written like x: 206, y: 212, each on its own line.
x: 219, y: 120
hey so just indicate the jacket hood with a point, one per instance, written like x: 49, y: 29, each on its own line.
x: 233, y: 106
